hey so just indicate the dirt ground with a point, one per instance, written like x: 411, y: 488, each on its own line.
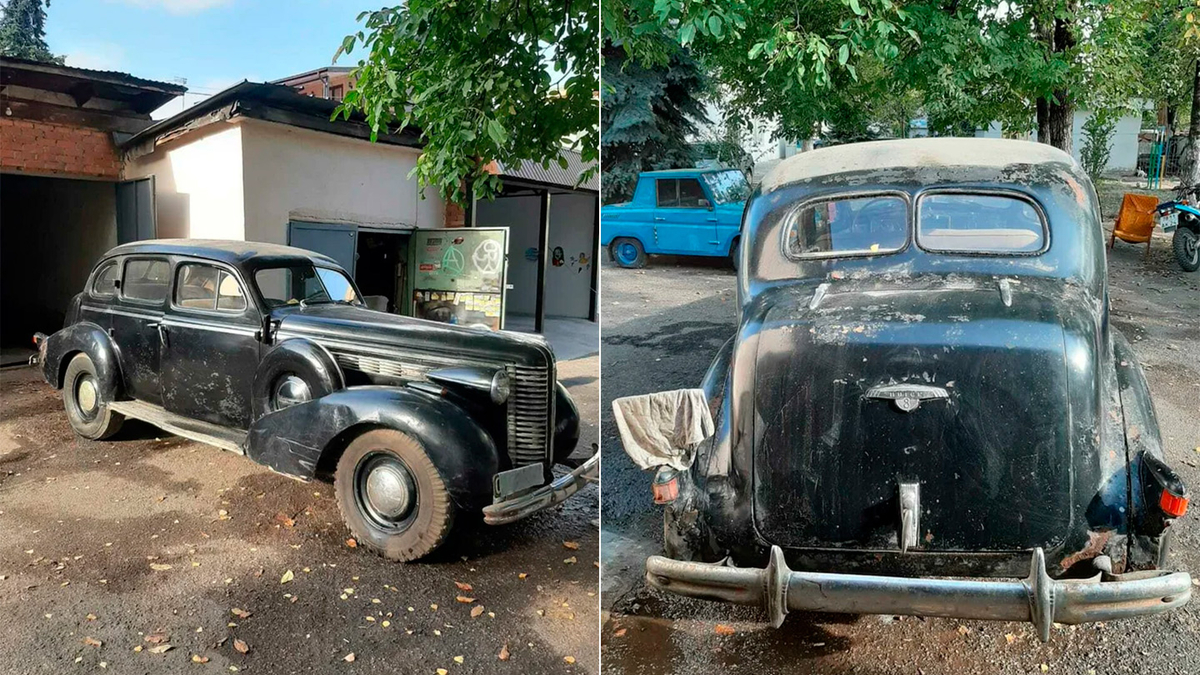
x: 88, y: 528
x: 663, y: 325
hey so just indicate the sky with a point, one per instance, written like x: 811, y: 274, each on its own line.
x: 211, y: 43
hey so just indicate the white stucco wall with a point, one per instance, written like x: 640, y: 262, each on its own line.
x: 568, y: 287
x: 198, y: 183
x: 1123, y: 146
x: 302, y: 175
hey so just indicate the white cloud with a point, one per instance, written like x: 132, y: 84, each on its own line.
x: 179, y: 6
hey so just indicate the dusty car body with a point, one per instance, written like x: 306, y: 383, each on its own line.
x: 268, y: 351
x: 925, y: 383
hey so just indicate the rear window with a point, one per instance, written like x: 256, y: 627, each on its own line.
x: 849, y: 226
x: 146, y: 280
x: 978, y: 223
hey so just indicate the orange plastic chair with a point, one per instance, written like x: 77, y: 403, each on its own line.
x: 1135, y: 221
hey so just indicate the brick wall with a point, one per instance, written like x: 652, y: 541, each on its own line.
x: 455, y: 215
x: 45, y: 148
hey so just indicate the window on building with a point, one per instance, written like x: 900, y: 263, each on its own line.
x: 335, y: 92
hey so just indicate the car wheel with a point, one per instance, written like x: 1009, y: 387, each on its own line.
x: 87, y: 410
x: 628, y: 252
x: 1187, y: 249
x: 392, y: 497
x: 735, y: 254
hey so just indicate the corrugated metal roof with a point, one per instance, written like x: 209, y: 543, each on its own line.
x: 113, y: 76
x: 555, y: 174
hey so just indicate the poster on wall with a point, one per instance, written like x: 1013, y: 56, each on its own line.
x: 459, y: 275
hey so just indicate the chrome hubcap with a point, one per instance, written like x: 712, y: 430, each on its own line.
x: 86, y: 395
x: 388, y: 491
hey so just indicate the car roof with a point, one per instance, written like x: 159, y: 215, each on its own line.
x: 227, y: 251
x: 668, y: 173
x: 959, y: 153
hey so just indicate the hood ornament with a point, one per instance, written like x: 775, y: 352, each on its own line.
x: 907, y: 397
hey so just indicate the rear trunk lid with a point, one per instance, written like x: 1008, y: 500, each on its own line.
x: 840, y: 425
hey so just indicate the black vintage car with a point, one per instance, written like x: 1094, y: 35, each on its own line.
x: 925, y: 382
x: 268, y: 351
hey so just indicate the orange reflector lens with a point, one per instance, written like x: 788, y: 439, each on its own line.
x: 1173, y: 506
x: 665, y: 493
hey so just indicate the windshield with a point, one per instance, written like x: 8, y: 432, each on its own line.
x: 728, y: 187
x: 304, y: 283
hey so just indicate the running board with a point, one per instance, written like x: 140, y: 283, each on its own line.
x: 196, y: 430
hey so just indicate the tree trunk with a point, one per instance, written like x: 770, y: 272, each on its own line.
x: 1191, y: 175
x: 1043, y: 120
x: 1062, y: 121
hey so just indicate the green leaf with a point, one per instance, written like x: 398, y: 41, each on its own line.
x: 716, y: 26
x: 686, y: 33
x: 756, y: 50
x: 856, y: 7
x: 496, y: 132
x: 843, y: 54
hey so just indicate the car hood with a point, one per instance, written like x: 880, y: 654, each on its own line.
x: 342, y: 328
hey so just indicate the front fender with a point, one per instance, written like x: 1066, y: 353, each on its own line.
x: 90, y: 339
x: 298, y: 439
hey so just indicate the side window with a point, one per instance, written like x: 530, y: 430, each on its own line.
x: 146, y: 279
x: 199, y: 286
x: 668, y: 194
x: 849, y: 226
x: 977, y: 223
x: 691, y: 195
x: 105, y: 281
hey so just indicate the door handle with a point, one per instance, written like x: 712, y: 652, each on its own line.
x: 659, y: 218
x: 712, y: 219
x: 162, y: 334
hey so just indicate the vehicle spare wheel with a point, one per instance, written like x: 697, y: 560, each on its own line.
x: 87, y: 410
x: 295, y: 371
x: 392, y: 497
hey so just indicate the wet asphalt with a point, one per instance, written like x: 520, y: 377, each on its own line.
x: 662, y: 326
x: 87, y: 528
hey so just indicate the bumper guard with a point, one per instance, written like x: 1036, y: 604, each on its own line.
x: 1037, y: 598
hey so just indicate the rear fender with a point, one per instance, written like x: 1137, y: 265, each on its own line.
x: 298, y: 439
x: 90, y: 339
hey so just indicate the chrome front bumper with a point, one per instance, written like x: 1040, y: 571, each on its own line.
x: 1037, y: 598
x: 544, y: 497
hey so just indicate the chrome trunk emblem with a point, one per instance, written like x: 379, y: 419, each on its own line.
x: 910, y: 515
x: 907, y: 397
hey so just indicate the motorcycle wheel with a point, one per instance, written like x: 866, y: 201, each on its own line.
x: 1186, y: 244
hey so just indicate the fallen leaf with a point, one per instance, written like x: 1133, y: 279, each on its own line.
x: 476, y: 611
x: 573, y: 545
x: 723, y: 629
x: 569, y: 659
x: 161, y: 649
x: 1044, y: 668
x: 465, y: 600
x: 351, y: 543
x: 349, y: 658
x: 503, y: 655
x: 442, y: 671
x: 522, y: 575
x: 240, y: 613
x: 284, y: 519
x: 196, y: 658
x: 287, y: 576
x: 620, y: 632
x: 156, y: 638
x: 571, y: 560
x: 463, y: 586
x: 138, y: 649
x: 1010, y: 638
x: 90, y: 617
x: 92, y: 641
x: 386, y: 623
x: 241, y: 646
x: 963, y: 630
x: 458, y: 659
x: 159, y: 567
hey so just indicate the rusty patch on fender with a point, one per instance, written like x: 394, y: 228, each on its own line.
x: 1096, y: 542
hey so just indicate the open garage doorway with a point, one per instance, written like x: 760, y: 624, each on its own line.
x: 52, y: 231
x: 381, y: 269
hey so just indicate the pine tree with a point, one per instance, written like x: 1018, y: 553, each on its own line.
x: 23, y: 31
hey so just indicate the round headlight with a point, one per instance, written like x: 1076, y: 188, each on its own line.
x: 290, y: 391
x: 500, y: 387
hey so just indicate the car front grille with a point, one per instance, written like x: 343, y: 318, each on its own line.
x: 530, y: 414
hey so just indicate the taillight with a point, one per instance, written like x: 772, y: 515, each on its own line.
x: 665, y: 485
x: 1173, y: 505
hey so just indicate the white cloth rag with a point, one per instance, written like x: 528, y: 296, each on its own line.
x: 662, y: 429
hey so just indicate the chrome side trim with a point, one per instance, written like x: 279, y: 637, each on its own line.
x: 123, y: 312
x: 172, y: 322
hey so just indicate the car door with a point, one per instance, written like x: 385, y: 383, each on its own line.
x: 684, y: 222
x: 135, y: 324
x: 212, y: 345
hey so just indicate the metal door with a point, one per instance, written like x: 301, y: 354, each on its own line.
x: 136, y: 210
x: 459, y: 275
x: 684, y: 222
x: 339, y: 242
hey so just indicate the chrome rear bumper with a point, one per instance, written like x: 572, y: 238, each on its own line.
x: 1037, y: 598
